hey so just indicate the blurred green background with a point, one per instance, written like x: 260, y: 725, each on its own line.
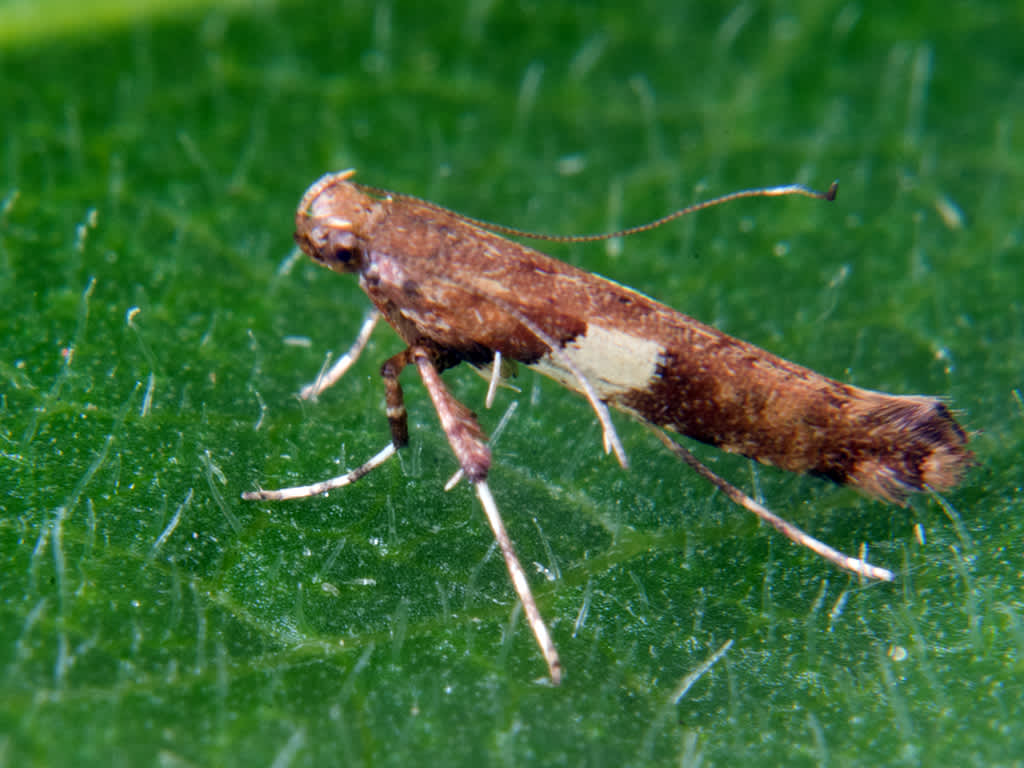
x: 157, y: 326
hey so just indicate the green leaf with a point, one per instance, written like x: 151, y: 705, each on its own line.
x: 157, y: 326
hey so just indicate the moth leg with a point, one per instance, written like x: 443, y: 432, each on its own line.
x: 397, y: 420
x: 394, y: 400
x: 519, y: 581
x: 787, y: 529
x: 495, y: 435
x: 468, y: 443
x: 612, y: 444
x: 330, y: 377
x: 492, y: 385
x: 315, y: 489
x: 458, y: 422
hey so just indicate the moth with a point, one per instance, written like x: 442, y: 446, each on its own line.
x: 456, y: 290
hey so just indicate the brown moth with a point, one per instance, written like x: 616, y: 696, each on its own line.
x: 457, y: 291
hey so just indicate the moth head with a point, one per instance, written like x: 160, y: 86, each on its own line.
x: 329, y: 222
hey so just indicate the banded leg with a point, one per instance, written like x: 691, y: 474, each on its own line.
x: 397, y: 420
x: 468, y: 442
x: 458, y: 422
x: 394, y: 400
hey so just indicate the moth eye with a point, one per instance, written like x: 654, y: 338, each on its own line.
x: 341, y: 247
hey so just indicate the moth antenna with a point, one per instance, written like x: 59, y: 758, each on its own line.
x: 321, y: 184
x: 777, y: 191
